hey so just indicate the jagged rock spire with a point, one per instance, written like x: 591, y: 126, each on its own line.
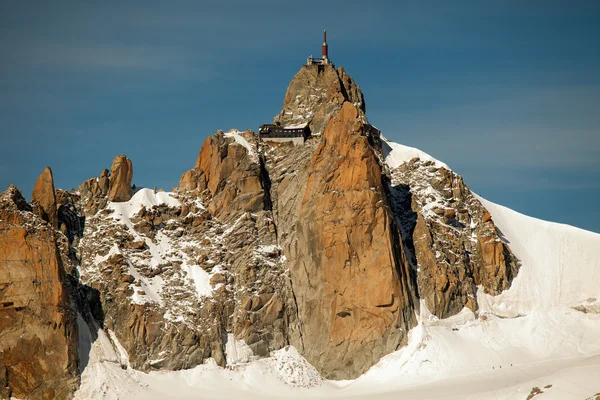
x: 121, y: 173
x: 44, y: 197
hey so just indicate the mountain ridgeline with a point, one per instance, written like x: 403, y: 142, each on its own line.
x: 326, y: 247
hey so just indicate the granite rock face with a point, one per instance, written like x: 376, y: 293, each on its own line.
x: 450, y: 236
x: 45, y: 199
x: 114, y: 185
x: 38, y: 333
x: 230, y: 173
x: 121, y: 173
x: 349, y: 273
x: 317, y: 93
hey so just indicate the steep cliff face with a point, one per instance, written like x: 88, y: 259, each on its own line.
x: 229, y: 170
x: 121, y: 173
x: 349, y: 274
x: 38, y: 334
x: 315, y: 95
x: 44, y: 198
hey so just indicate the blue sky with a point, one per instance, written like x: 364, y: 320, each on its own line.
x: 505, y: 92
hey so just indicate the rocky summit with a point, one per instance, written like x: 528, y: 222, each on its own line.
x: 314, y: 96
x: 328, y: 247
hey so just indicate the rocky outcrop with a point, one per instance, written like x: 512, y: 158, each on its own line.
x: 118, y: 267
x: 114, y: 185
x: 229, y: 173
x: 451, y: 238
x: 317, y: 93
x: 121, y: 173
x: 151, y: 300
x: 70, y: 223
x: 38, y: 334
x: 361, y: 250
x: 103, y: 183
x: 93, y: 193
x: 349, y: 275
x: 44, y: 198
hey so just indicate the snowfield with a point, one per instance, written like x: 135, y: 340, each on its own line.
x: 544, y: 332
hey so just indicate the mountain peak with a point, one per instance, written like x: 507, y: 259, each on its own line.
x: 315, y: 94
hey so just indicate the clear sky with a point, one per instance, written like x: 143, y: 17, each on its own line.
x: 505, y: 92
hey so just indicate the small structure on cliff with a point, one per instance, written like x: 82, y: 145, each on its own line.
x: 324, y: 60
x: 296, y: 134
x: 297, y: 128
x: 316, y: 93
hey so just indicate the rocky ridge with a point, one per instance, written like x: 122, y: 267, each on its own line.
x: 325, y: 247
x: 451, y: 238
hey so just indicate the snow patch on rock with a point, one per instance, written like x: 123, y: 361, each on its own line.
x: 293, y: 369
x: 142, y: 198
x: 237, y: 351
x: 396, y: 154
x: 234, y: 133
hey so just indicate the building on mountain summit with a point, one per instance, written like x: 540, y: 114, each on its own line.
x: 296, y: 133
x: 324, y: 60
x: 308, y: 105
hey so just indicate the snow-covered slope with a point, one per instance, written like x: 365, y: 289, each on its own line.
x: 544, y: 332
x: 396, y: 154
x: 563, y: 264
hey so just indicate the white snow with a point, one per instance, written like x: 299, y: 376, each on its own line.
x: 396, y: 154
x: 123, y: 357
x: 296, y: 126
x: 123, y: 211
x: 562, y: 264
x: 293, y: 369
x: 237, y: 351
x: 544, y: 330
x: 142, y: 198
x: 200, y: 277
x: 161, y: 251
x: 242, y: 141
x: 268, y: 249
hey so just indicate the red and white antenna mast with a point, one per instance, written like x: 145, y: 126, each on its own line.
x: 324, y: 48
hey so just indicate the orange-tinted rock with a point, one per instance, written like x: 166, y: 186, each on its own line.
x: 314, y: 96
x: 43, y: 194
x: 189, y: 180
x: 231, y: 175
x: 38, y: 346
x: 103, y: 182
x: 497, y: 269
x: 455, y: 253
x: 349, y: 275
x: 486, y: 217
x: 121, y: 173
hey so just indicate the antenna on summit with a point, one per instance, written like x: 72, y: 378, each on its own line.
x: 324, y: 60
x: 325, y: 48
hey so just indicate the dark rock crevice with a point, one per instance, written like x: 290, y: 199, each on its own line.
x: 266, y: 183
